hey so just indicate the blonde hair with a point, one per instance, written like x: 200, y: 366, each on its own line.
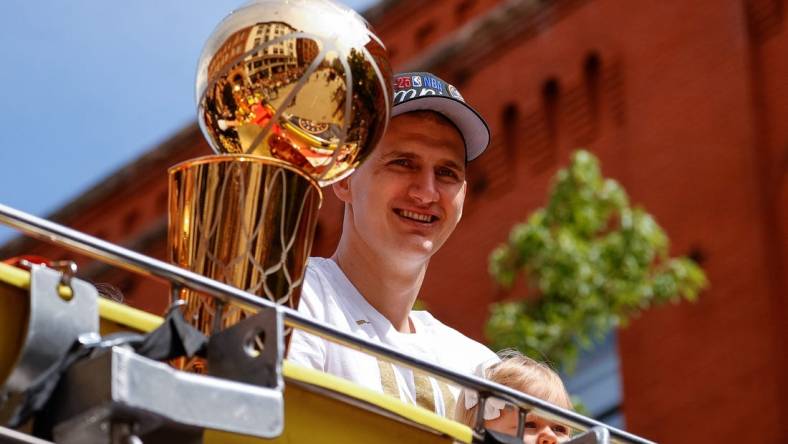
x: 520, y: 373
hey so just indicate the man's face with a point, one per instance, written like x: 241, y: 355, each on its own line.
x: 406, y: 199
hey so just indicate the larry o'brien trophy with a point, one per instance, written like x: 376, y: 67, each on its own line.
x: 292, y: 95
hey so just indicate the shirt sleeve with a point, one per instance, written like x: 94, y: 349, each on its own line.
x: 306, y: 349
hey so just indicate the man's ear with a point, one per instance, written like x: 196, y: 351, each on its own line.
x: 462, y: 204
x: 342, y: 189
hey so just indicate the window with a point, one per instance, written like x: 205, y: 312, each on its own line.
x: 550, y: 95
x: 597, y: 382
x: 424, y: 34
x: 541, y: 127
x: 591, y: 69
x: 463, y: 11
x: 130, y: 221
x: 162, y: 201
x: 510, y: 121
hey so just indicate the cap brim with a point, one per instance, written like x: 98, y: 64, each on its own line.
x: 472, y: 126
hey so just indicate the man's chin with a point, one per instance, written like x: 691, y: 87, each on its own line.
x: 416, y: 249
x: 427, y: 245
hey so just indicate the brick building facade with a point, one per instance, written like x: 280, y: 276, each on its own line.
x: 684, y: 104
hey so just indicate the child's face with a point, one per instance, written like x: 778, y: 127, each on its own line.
x: 541, y: 431
x: 537, y: 430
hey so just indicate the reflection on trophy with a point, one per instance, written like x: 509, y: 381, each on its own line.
x: 291, y: 96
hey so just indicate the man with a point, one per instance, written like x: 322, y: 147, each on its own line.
x: 401, y: 206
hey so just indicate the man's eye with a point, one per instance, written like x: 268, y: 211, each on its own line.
x: 530, y: 425
x: 447, y: 172
x: 401, y: 162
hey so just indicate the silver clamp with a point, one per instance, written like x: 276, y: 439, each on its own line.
x: 54, y: 324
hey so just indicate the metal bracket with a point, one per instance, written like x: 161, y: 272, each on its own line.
x: 53, y: 326
x: 153, y: 401
x: 250, y: 351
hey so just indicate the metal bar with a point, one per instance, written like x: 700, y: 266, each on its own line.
x: 9, y: 436
x: 121, y: 257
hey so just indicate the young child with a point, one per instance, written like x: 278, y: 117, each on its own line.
x: 528, y: 376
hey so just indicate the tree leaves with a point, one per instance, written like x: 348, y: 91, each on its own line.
x: 593, y: 261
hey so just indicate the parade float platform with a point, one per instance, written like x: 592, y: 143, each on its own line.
x: 112, y: 392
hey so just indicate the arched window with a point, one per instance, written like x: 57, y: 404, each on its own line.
x: 592, y: 67
x: 462, y: 12
x: 162, y: 202
x: 130, y: 221
x: 512, y: 132
x: 551, y: 92
x: 424, y: 34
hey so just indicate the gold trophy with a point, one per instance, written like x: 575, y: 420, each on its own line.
x: 292, y: 95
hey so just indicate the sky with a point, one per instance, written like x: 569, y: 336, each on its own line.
x: 86, y: 86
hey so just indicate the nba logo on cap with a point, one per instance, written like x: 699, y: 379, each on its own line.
x: 423, y: 91
x: 432, y: 82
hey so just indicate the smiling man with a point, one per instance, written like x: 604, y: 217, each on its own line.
x: 401, y: 206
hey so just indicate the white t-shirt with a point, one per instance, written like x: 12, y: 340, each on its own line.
x: 329, y: 296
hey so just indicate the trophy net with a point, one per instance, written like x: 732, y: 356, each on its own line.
x: 245, y: 221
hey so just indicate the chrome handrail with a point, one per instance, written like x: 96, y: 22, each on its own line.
x: 127, y: 259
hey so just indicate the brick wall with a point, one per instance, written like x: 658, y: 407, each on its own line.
x: 684, y: 102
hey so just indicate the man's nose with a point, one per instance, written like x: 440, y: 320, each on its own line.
x: 424, y: 188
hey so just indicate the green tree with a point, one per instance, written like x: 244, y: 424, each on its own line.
x: 591, y: 262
